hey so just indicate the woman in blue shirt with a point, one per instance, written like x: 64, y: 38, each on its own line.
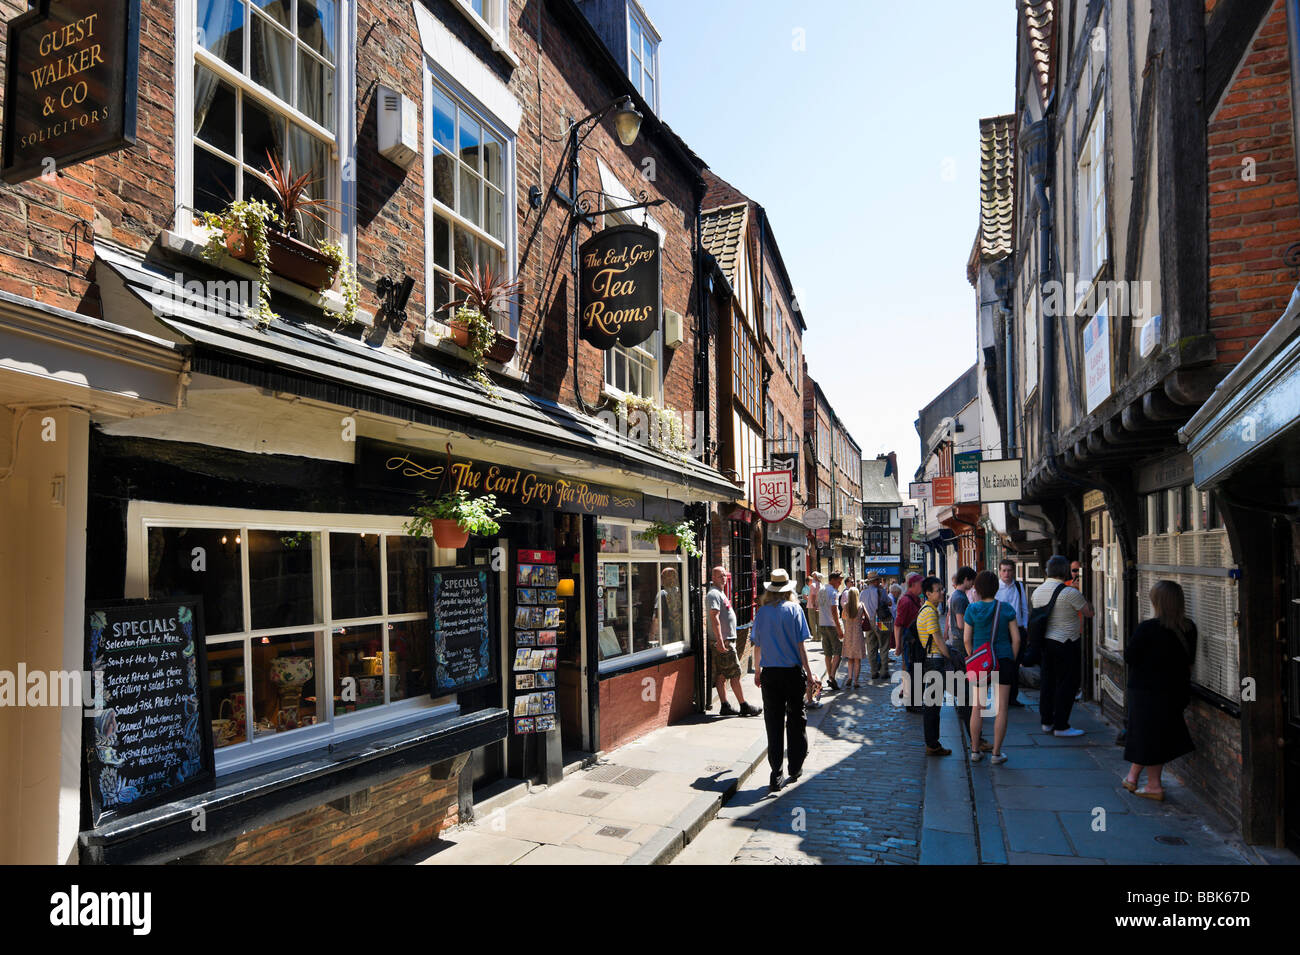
x: 989, y: 619
x: 783, y: 674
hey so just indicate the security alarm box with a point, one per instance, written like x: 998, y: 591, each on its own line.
x: 672, y: 328
x: 399, y: 133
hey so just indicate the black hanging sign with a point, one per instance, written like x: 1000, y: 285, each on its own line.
x: 619, y: 287
x: 148, y: 737
x: 786, y: 461
x: 462, y: 645
x: 70, y: 84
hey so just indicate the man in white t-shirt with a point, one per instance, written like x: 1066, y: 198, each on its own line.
x: 722, y: 646
x: 1061, y: 661
x: 829, y: 626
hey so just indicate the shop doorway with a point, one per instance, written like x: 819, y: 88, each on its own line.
x: 571, y: 681
x: 1291, y: 698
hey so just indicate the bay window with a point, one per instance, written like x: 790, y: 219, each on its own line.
x: 316, y: 625
x: 641, y: 609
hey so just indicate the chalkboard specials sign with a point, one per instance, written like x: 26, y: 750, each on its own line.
x: 619, y: 286
x: 70, y: 84
x: 462, y: 647
x: 148, y: 736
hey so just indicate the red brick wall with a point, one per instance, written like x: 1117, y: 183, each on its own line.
x: 625, y: 711
x: 1252, y: 222
x: 404, y: 814
x: 1214, y: 769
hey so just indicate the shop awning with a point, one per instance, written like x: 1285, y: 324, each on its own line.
x: 297, y: 356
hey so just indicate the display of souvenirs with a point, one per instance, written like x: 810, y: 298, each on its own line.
x: 526, y: 638
x: 545, y: 638
x: 551, y: 617
x: 527, y: 595
x: 547, y: 701
x: 548, y: 659
x: 524, y: 725
x: 524, y: 681
x: 542, y: 678
x: 544, y: 724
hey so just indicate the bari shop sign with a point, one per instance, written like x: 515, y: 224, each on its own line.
x: 618, y: 286
x: 70, y: 84
x: 773, y: 495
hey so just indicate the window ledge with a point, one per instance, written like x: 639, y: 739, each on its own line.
x: 437, y: 336
x: 273, y: 792
x: 499, y: 39
x: 329, y: 301
x: 643, y: 658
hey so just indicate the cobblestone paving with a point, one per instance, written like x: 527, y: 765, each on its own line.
x: 859, y: 800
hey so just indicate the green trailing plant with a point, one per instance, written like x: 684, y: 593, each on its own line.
x: 667, y: 433
x: 346, y: 273
x: 483, y: 291
x: 253, y: 219
x: 478, y: 515
x: 682, y: 530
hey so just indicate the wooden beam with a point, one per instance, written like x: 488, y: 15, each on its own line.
x: 1228, y: 31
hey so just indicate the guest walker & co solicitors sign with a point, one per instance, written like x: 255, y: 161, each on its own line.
x: 70, y: 84
x: 619, y: 286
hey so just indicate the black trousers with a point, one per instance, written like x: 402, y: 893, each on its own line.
x: 1060, y: 682
x: 783, y: 713
x: 930, y: 711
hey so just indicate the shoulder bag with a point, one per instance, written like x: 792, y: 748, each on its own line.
x: 983, y: 659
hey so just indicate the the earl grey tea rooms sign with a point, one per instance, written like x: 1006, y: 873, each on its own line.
x: 619, y: 286
x: 70, y: 84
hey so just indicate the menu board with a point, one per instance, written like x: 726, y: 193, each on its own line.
x: 538, y: 629
x: 462, y: 649
x: 147, y: 736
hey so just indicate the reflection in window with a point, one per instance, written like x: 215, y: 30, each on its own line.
x: 281, y: 578
x: 354, y: 575
x: 185, y: 561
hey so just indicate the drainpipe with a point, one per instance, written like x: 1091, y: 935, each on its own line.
x: 703, y: 699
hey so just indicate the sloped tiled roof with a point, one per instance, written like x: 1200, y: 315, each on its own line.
x: 1040, y: 33
x: 995, y: 236
x: 722, y: 231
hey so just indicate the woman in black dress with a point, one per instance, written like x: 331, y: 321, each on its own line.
x: 1159, y: 659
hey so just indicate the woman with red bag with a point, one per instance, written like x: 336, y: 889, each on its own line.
x: 992, y: 641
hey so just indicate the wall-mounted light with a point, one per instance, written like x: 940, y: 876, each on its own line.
x: 564, y: 587
x: 395, y: 295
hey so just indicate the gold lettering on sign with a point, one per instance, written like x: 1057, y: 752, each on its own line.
x: 69, y: 64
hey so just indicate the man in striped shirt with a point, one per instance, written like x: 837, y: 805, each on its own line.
x: 933, y: 652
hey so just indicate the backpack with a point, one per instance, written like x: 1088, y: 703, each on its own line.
x: 1039, y: 617
x: 912, y: 649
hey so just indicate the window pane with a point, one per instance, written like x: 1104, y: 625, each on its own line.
x: 354, y: 575
x: 227, y: 689
x: 648, y: 90
x: 311, y: 155
x: 220, y: 30
x: 469, y: 205
x: 613, y: 637
x: 493, y: 221
x: 442, y: 243
x: 282, y: 581
x: 214, y: 181
x: 287, y: 682
x: 272, y: 54
x: 469, y: 140
x: 668, y: 607
x: 175, y: 552
x: 408, y: 648
x: 408, y: 564
x: 263, y: 134
x: 318, y: 25
x: 463, y: 248
x: 612, y: 538
x: 444, y: 120
x: 214, y: 110
x: 358, y: 668
x: 316, y: 91
x: 645, y: 590
x: 492, y: 160
x: 278, y: 9
x: 444, y: 178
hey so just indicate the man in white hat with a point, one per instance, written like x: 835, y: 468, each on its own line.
x: 783, y: 673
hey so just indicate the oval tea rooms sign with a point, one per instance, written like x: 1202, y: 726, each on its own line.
x: 618, y: 286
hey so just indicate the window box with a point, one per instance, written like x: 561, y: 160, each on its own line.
x: 289, y: 259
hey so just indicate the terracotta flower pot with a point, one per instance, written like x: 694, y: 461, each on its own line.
x: 289, y: 258
x: 503, y: 349
x: 667, y: 543
x: 448, y: 533
x: 459, y: 332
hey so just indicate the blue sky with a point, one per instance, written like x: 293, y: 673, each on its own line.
x: 863, y: 146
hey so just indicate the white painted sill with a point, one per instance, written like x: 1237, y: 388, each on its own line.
x: 328, y: 301
x: 438, y: 337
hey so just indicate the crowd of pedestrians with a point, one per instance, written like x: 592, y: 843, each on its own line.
x: 974, y: 638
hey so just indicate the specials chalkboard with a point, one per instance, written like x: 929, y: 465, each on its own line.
x: 147, y: 735
x: 462, y: 645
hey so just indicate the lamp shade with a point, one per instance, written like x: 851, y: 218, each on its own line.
x: 627, y: 122
x: 564, y: 587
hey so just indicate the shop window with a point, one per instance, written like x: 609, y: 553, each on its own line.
x: 641, y: 607
x: 264, y: 79
x: 305, y: 626
x: 742, y: 573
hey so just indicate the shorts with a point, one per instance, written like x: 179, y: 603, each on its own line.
x: 726, y: 666
x: 830, y: 641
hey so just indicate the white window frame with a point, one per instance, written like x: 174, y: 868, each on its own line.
x: 623, y: 661
x: 342, y: 187
x: 432, y: 74
x: 648, y: 34
x: 1091, y: 208
x: 332, y: 728
x: 493, y: 22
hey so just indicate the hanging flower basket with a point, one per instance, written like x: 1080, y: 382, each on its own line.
x: 671, y: 535
x: 668, y: 543
x: 449, y: 533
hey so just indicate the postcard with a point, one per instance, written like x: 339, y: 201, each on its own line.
x: 523, y: 704
x: 548, y: 659
x: 544, y: 724
x: 526, y: 595
x: 534, y: 705
x: 543, y: 678
x: 551, y: 617
x: 545, y: 596
x: 611, y: 575
x: 547, y: 701
x: 524, y: 575
x: 550, y: 576
x: 524, y: 681
x: 524, y: 725
x: 525, y: 638
x: 545, y: 638
x: 524, y: 660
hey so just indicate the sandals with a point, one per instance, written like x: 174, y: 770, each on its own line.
x: 1158, y: 796
x: 1130, y: 786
